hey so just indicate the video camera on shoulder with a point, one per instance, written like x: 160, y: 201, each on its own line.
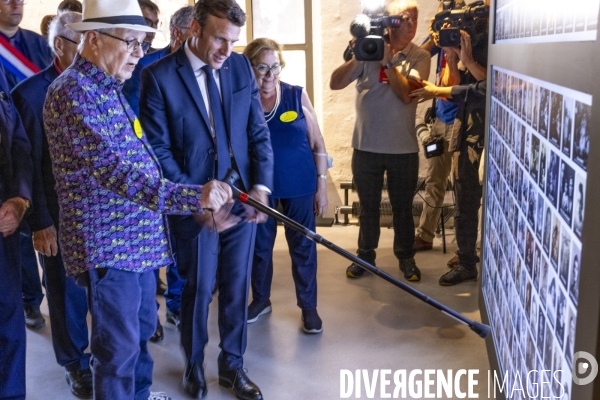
x: 473, y: 19
x: 368, y: 29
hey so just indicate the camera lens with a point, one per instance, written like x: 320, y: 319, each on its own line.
x: 369, y: 47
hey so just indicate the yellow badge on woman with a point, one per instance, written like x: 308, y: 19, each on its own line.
x: 137, y: 128
x: 288, y: 116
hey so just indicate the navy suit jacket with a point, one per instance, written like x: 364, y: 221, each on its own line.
x: 174, y: 118
x: 34, y: 47
x: 131, y: 88
x: 15, y: 161
x: 29, y: 96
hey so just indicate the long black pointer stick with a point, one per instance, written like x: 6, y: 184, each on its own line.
x: 232, y: 176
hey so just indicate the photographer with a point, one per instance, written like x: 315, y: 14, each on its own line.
x: 467, y: 145
x: 384, y: 139
x: 444, y: 113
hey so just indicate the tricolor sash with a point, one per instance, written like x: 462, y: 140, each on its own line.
x: 15, y: 62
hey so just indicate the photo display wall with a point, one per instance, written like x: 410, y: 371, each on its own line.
x: 538, y: 21
x: 538, y: 149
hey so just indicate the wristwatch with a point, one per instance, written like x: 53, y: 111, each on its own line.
x: 389, y: 65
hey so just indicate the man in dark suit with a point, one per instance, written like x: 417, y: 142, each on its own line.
x: 15, y: 196
x: 201, y: 111
x: 66, y: 301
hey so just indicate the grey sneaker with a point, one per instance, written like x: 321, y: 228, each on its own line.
x: 256, y: 309
x: 409, y: 267
x: 459, y: 274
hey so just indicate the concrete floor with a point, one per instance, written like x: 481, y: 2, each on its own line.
x: 367, y: 324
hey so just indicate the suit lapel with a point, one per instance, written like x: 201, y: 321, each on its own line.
x: 191, y: 84
x: 226, y: 95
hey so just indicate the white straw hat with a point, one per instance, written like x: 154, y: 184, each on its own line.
x: 102, y: 14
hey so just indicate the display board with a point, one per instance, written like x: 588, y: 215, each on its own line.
x: 538, y: 21
x: 538, y: 147
x: 541, y: 226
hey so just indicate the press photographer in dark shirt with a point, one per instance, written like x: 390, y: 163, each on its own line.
x: 467, y: 145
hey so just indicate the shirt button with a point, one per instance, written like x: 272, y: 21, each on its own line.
x: 208, y: 179
x: 3, y: 96
x: 211, y: 151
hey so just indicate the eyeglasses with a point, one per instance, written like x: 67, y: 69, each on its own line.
x: 17, y: 2
x: 67, y: 39
x: 264, y: 69
x: 132, y: 45
x: 151, y: 23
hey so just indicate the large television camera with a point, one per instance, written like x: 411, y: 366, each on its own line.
x: 368, y: 29
x: 473, y: 19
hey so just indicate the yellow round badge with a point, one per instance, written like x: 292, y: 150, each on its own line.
x: 137, y: 128
x: 288, y: 116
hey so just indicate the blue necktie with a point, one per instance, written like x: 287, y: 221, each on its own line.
x: 216, y: 107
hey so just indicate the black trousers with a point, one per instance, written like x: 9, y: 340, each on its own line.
x: 402, y: 174
x: 468, y: 194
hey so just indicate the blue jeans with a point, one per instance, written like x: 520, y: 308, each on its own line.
x: 123, y: 309
x: 402, y: 174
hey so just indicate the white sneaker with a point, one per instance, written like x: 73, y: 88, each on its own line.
x: 159, y: 396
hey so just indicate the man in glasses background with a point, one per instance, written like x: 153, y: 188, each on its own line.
x: 150, y: 11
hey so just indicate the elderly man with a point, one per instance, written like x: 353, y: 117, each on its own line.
x: 201, y: 109
x: 66, y: 301
x: 384, y: 141
x: 15, y: 196
x: 111, y: 194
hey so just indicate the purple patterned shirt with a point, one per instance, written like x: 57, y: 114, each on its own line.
x: 109, y: 183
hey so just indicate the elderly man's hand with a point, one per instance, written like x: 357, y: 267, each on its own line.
x: 11, y: 214
x: 45, y: 242
x: 215, y: 194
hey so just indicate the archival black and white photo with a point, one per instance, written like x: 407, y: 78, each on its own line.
x: 544, y: 119
x: 574, y: 274
x: 552, y: 179
x: 543, y: 264
x: 559, y: 326
x: 565, y: 257
x: 535, y: 157
x: 551, y: 303
x: 542, y: 166
x: 581, y: 140
x: 555, y: 245
x: 567, y: 182
x: 539, y: 219
x: 578, y: 204
x: 556, y: 103
x: 547, y: 228
x: 568, y: 123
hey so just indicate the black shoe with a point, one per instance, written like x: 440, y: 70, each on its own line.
x: 173, y: 318
x: 193, y: 380
x: 243, y: 387
x: 409, y: 267
x: 158, y: 333
x: 161, y: 287
x: 311, y: 323
x: 81, y: 383
x: 354, y: 271
x: 33, y: 318
x: 459, y: 274
x: 256, y: 309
